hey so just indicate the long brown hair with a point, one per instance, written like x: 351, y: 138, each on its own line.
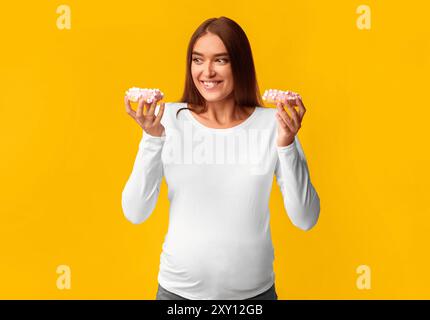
x: 246, y: 91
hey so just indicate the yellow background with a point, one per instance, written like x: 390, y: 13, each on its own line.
x: 68, y: 146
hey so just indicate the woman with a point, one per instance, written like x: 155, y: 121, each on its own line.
x: 218, y: 150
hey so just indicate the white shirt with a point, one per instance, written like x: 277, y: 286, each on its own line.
x: 218, y: 244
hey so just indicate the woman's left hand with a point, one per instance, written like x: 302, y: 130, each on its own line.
x: 289, y: 126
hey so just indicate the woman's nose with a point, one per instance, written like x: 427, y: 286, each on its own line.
x: 209, y: 70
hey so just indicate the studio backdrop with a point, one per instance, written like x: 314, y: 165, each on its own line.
x: 67, y: 144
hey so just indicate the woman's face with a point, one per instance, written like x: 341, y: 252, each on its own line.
x: 211, y: 62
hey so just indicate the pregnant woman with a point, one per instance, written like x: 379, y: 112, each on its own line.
x: 218, y: 150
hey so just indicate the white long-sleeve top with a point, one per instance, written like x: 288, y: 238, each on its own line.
x: 218, y: 244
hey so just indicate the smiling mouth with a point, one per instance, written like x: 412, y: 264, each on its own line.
x: 210, y: 84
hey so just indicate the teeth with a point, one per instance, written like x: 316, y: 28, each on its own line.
x: 210, y: 84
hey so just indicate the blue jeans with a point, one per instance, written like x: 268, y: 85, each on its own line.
x: 163, y: 294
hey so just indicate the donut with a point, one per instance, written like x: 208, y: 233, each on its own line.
x: 149, y: 95
x: 274, y: 96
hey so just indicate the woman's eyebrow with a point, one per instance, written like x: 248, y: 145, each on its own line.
x: 215, y: 55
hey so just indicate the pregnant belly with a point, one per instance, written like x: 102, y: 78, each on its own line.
x: 228, y: 261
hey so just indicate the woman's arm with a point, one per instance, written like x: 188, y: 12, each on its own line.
x: 301, y: 200
x: 141, y: 191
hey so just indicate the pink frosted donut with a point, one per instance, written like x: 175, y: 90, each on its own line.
x: 149, y: 95
x: 274, y: 96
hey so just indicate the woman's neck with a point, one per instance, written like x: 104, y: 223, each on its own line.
x: 224, y: 113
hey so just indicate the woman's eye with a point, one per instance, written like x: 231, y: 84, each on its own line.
x: 225, y: 60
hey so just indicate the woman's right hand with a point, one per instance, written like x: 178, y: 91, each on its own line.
x: 145, y: 116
